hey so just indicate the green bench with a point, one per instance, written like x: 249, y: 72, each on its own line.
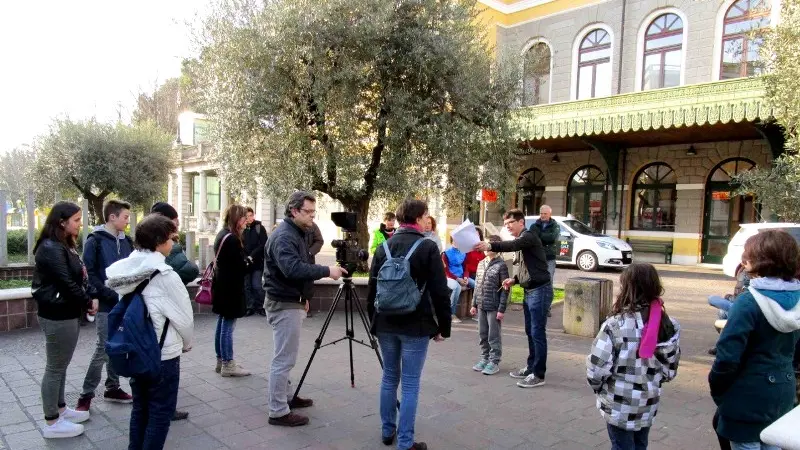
x: 663, y: 247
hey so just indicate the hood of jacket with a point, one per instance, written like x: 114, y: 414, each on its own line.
x: 124, y: 275
x: 100, y: 231
x: 779, y: 301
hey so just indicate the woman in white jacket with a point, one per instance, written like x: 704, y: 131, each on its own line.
x: 166, y: 298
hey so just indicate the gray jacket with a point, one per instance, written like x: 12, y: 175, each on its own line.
x: 489, y: 293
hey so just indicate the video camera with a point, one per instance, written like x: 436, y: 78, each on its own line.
x: 348, y: 253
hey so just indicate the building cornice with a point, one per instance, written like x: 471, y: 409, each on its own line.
x: 514, y: 7
x: 698, y: 104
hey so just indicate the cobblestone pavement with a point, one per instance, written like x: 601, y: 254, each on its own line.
x: 458, y: 408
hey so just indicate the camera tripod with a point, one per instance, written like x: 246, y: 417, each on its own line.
x: 351, y: 304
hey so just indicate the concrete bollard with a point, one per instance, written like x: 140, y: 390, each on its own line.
x: 587, y: 303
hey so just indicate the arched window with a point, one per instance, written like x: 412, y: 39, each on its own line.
x: 663, y: 52
x: 594, y: 65
x: 739, y: 46
x: 536, y: 75
x: 586, y: 196
x: 530, y: 191
x: 654, y: 197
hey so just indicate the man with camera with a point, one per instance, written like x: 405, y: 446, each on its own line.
x: 289, y: 277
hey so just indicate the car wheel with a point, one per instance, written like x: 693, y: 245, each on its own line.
x: 587, y: 261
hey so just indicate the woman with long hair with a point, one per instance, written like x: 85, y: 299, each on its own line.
x: 227, y: 288
x: 404, y: 338
x: 61, y: 289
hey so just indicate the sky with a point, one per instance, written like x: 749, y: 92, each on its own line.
x: 85, y: 58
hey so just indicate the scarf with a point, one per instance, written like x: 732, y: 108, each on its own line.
x: 647, y: 347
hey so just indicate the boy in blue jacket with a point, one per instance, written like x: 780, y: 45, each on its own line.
x: 106, y: 245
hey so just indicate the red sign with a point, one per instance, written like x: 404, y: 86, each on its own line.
x: 489, y: 195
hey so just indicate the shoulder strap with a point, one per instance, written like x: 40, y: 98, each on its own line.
x: 386, y: 249
x: 220, y: 247
x: 413, y: 248
x: 139, y: 289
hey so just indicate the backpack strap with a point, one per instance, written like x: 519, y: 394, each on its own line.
x: 386, y: 250
x: 139, y: 290
x: 413, y: 248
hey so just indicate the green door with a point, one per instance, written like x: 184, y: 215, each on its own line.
x: 724, y: 211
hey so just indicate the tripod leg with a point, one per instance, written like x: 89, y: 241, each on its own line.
x: 348, y: 321
x: 372, y: 340
x: 318, y: 341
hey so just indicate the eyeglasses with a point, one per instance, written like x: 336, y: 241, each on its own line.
x: 310, y: 212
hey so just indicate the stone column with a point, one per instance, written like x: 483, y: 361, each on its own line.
x: 556, y: 198
x: 200, y: 210
x: 170, y: 189
x: 223, y: 204
x: 264, y: 208
x: 179, y: 204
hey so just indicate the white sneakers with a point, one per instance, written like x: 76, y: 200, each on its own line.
x: 62, y: 429
x: 67, y: 425
x: 74, y: 416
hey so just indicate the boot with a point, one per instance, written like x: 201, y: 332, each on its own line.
x: 231, y: 369
x: 219, y: 366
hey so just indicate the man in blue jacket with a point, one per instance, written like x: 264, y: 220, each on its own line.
x: 106, y: 245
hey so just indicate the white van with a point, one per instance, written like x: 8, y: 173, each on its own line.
x: 732, y: 261
x: 583, y: 247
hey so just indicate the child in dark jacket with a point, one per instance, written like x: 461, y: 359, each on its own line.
x: 489, y: 303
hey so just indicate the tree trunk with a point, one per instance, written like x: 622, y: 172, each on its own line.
x: 95, y: 208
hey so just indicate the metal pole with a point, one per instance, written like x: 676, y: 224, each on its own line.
x: 30, y: 207
x: 3, y: 230
x: 85, y: 217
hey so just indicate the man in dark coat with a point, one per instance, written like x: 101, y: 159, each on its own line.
x: 255, y: 238
x: 550, y: 234
x: 288, y: 279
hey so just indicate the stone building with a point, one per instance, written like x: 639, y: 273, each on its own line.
x: 636, y: 114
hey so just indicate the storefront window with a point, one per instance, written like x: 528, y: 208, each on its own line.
x: 586, y: 197
x: 530, y: 191
x: 654, y: 197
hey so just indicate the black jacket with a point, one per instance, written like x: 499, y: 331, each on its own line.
x: 100, y: 251
x: 550, y: 235
x: 426, y: 269
x: 530, y: 260
x: 289, y: 273
x: 314, y: 242
x: 255, y: 238
x: 227, y: 288
x: 60, y: 283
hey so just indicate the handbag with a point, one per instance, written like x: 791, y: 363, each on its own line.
x: 203, y: 296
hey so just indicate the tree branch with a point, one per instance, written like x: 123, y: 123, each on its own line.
x: 372, y: 171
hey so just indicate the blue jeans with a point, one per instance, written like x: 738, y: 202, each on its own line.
x: 721, y: 303
x: 457, y: 288
x: 537, y: 303
x: 752, y: 446
x: 153, y: 407
x: 254, y: 290
x: 403, y: 358
x: 223, y: 338
x: 627, y: 440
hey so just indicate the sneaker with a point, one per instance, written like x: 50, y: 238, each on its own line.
x: 180, y: 415
x: 218, y: 369
x: 521, y: 373
x: 419, y: 446
x: 480, y: 366
x: 62, y: 429
x: 117, y: 395
x: 74, y: 416
x: 531, y: 381
x: 289, y: 420
x: 231, y: 369
x: 389, y: 440
x: 84, y: 403
x: 299, y: 402
x: 455, y: 320
x: 490, y: 369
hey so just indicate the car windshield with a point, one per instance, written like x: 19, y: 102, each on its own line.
x: 580, y: 227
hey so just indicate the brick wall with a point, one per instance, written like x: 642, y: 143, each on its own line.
x: 16, y: 272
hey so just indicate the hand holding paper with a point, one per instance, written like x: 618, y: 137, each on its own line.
x: 465, y: 236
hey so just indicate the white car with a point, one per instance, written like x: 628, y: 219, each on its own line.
x: 732, y: 261
x: 583, y: 247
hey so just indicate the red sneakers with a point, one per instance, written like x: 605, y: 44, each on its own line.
x: 83, y: 404
x: 117, y: 396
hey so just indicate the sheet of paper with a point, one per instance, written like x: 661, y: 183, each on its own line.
x: 465, y: 236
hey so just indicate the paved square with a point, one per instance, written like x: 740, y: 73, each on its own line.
x: 458, y: 408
